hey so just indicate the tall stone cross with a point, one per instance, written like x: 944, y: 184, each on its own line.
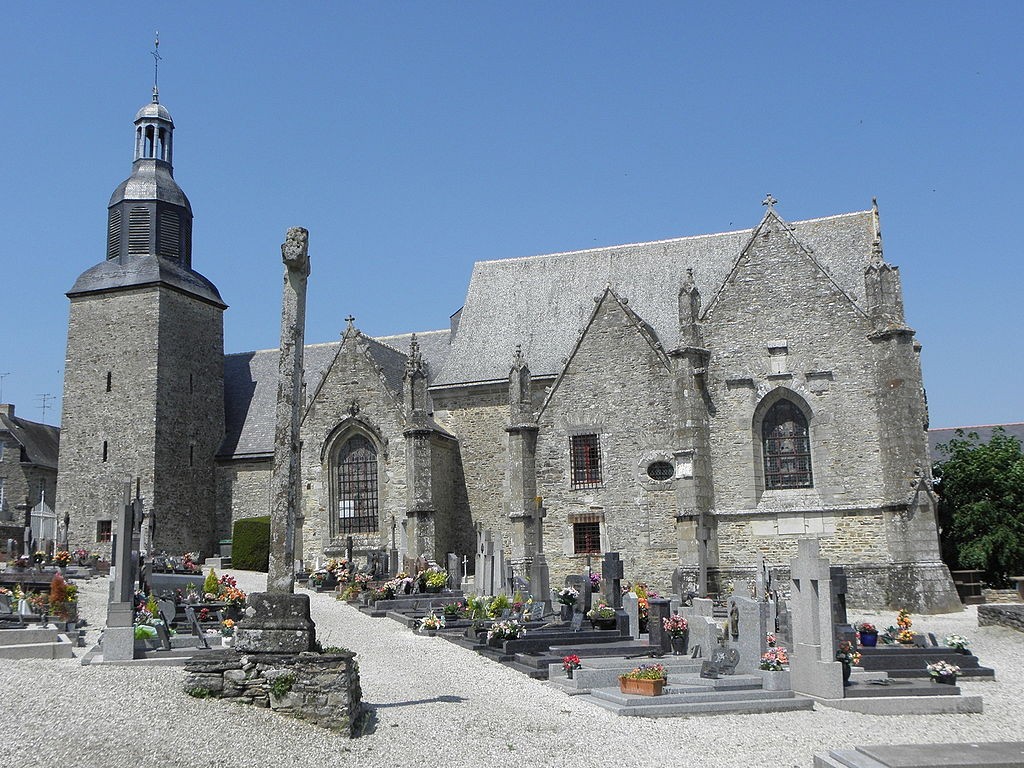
x: 813, y: 667
x: 611, y: 577
x: 285, y: 472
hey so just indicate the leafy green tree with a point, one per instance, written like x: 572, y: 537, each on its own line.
x: 981, y: 504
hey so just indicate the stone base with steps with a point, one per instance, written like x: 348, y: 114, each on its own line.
x: 35, y: 642
x: 690, y: 694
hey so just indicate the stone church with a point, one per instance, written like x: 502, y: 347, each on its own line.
x: 689, y: 403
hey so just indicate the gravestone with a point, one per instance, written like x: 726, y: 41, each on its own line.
x: 704, y: 634
x: 119, y: 637
x: 723, y: 661
x: 536, y: 612
x: 631, y: 605
x: 194, y: 627
x: 813, y: 668
x: 577, y: 622
x: 783, y: 624
x: 844, y: 630
x: 454, y: 567
x: 659, y: 609
x: 750, y: 630
x: 611, y: 579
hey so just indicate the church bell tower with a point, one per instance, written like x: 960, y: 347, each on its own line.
x: 144, y: 371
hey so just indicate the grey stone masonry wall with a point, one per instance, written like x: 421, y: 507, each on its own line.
x: 243, y: 490
x: 617, y: 385
x: 353, y: 399
x: 478, y: 416
x: 1011, y: 616
x: 780, y: 327
x: 189, y: 422
x: 320, y: 688
x: 115, y: 334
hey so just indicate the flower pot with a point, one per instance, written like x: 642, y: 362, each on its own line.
x: 568, y: 672
x: 680, y: 644
x: 944, y: 679
x: 847, y: 669
x: 432, y: 589
x: 564, y: 612
x: 603, y: 623
x: 869, y: 639
x: 641, y: 687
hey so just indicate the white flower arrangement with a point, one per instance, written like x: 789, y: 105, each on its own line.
x: 942, y: 669
x: 957, y: 641
x: 568, y: 595
x: 432, y: 622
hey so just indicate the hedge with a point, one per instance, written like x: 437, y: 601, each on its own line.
x: 250, y: 547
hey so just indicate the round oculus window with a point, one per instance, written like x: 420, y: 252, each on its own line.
x: 660, y: 470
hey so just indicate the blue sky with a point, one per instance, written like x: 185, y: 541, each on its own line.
x: 413, y: 139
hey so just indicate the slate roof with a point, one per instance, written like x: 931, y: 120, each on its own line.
x: 937, y: 437
x: 40, y: 441
x: 144, y: 270
x: 250, y: 384
x: 543, y: 302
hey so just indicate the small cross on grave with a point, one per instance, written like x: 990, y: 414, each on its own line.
x: 611, y: 576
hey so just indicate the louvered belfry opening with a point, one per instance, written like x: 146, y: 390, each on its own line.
x: 357, y: 486
x: 114, y: 233
x: 787, y: 447
x: 138, y: 230
x: 169, y: 236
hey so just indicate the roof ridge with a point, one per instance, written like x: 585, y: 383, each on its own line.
x: 980, y: 426
x: 665, y: 240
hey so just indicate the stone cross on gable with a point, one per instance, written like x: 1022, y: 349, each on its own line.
x: 350, y: 320
x: 769, y: 201
x: 611, y: 576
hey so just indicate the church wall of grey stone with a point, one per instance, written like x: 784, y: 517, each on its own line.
x: 689, y: 403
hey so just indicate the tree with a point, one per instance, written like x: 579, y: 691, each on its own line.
x: 981, y: 504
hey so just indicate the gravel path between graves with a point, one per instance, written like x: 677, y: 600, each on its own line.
x: 438, y: 704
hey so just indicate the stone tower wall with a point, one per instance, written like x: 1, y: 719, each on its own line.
x: 150, y: 340
x: 115, y: 333
x: 189, y: 422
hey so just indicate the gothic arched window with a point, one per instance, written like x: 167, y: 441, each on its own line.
x: 356, y: 486
x: 787, y: 447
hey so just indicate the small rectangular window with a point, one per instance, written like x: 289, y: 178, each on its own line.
x: 585, y: 461
x: 110, y: 377
x: 104, y: 530
x: 586, y: 538
x: 104, y: 450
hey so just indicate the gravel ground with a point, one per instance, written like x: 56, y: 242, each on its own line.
x: 428, y: 693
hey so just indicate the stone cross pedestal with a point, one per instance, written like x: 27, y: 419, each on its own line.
x: 630, y: 605
x: 813, y: 667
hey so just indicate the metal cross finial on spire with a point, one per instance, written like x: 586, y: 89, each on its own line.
x: 155, y: 53
x: 351, y: 321
x: 769, y: 201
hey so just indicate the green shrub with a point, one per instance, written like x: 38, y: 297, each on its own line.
x: 282, y: 684
x: 250, y: 548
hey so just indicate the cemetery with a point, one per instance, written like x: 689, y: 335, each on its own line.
x: 767, y: 649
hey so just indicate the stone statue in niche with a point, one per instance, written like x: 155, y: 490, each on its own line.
x: 734, y: 622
